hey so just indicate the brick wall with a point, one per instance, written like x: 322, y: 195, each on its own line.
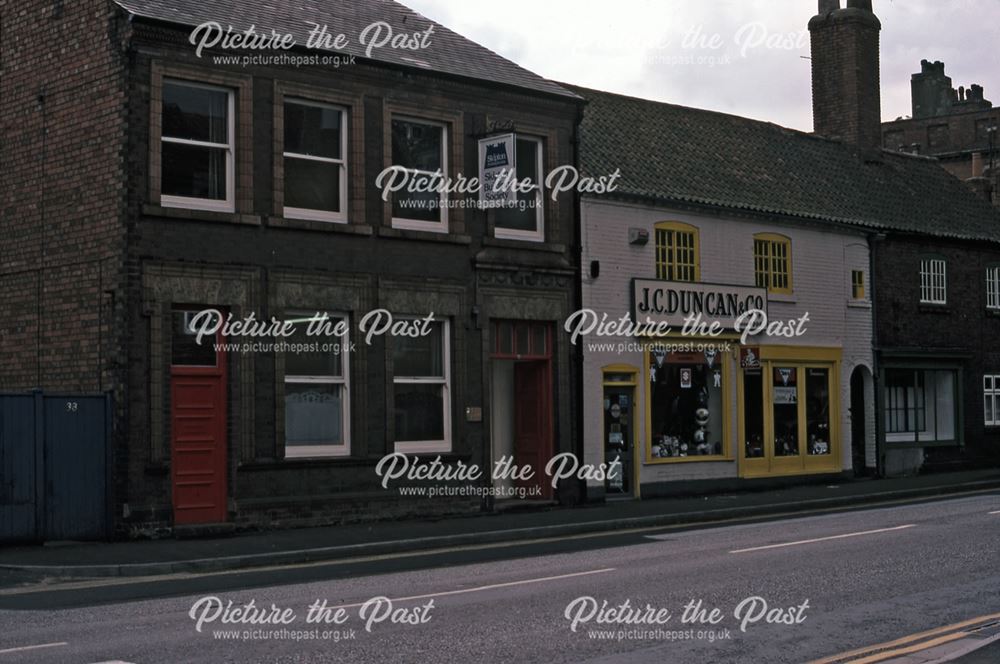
x: 61, y: 143
x: 962, y: 328
x: 257, y: 260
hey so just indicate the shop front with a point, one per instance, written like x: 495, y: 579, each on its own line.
x: 789, y: 411
x: 736, y: 365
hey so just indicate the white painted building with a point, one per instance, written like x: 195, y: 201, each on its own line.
x: 686, y: 233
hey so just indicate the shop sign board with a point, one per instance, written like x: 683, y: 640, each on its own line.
x: 673, y: 302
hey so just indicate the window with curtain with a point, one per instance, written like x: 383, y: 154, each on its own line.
x: 317, y: 421
x: 197, y: 146
x: 920, y: 405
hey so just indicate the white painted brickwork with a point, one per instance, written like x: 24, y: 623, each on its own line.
x: 822, y: 261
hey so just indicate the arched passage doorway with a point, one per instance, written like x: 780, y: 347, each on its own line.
x: 862, y: 413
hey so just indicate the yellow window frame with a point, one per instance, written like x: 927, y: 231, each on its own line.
x: 772, y: 262
x: 858, y: 284
x: 678, y: 251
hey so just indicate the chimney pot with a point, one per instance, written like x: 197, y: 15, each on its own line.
x: 866, y: 5
x: 827, y: 6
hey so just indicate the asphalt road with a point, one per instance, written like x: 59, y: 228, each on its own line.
x: 839, y: 584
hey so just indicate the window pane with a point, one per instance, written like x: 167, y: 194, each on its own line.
x: 416, y: 145
x: 313, y: 414
x: 686, y: 406
x: 522, y: 339
x: 419, y: 412
x: 538, y: 340
x: 818, y: 411
x: 786, y: 411
x: 505, y: 334
x: 988, y: 407
x: 422, y: 206
x: 312, y: 185
x: 184, y: 347
x: 312, y: 130
x: 195, y: 114
x: 420, y: 357
x: 311, y: 360
x: 527, y: 160
x: 523, y: 216
x: 753, y: 413
x: 944, y: 393
x: 193, y: 172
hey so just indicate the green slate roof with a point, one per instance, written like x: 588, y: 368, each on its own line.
x: 674, y: 154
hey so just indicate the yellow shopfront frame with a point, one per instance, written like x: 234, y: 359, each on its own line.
x: 631, y: 383
x: 771, y: 465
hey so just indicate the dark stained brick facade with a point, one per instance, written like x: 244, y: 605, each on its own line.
x: 90, y: 252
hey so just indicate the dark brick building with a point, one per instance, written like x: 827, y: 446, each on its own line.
x: 958, y: 126
x: 934, y: 269
x: 151, y: 182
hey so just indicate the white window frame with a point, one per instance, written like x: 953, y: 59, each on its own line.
x: 991, y: 395
x: 187, y: 202
x: 993, y: 288
x: 322, y: 215
x: 933, y: 281
x: 537, y: 235
x: 430, y: 446
x: 323, y: 451
x: 405, y: 223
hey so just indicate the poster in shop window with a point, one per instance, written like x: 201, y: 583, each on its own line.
x: 785, y: 390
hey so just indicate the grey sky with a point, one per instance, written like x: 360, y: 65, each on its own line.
x: 737, y: 56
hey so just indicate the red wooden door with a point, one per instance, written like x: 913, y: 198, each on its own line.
x: 533, y: 422
x: 198, y: 435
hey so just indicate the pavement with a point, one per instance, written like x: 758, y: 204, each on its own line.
x: 284, y: 547
x: 813, y: 588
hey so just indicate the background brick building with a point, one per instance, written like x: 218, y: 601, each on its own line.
x: 933, y: 254
x: 957, y: 126
x: 110, y: 248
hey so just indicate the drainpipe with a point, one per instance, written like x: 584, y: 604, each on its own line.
x: 874, y: 239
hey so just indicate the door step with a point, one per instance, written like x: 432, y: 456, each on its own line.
x: 196, y: 530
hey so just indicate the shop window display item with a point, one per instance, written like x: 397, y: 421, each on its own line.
x: 686, y: 409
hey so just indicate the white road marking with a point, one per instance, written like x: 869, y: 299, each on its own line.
x: 116, y: 661
x: 38, y: 647
x: 824, y: 539
x: 492, y: 586
x: 997, y: 512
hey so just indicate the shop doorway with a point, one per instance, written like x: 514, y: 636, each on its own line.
x: 861, y: 421
x: 521, y: 408
x: 198, y: 432
x: 619, y: 441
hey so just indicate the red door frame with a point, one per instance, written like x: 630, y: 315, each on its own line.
x: 548, y: 416
x: 217, y: 376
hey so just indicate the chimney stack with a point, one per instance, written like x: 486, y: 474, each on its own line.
x: 845, y: 73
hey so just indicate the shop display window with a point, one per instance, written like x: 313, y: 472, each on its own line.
x: 687, y: 416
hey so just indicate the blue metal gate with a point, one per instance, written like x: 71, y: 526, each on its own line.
x: 54, y: 461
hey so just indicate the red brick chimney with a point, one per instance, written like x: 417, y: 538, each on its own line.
x: 845, y: 73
